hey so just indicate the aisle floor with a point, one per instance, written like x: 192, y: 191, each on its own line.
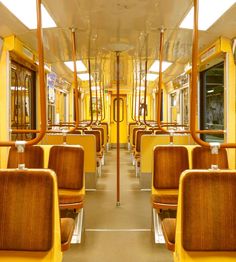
x: 111, y: 233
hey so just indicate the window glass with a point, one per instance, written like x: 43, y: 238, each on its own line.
x: 212, y: 101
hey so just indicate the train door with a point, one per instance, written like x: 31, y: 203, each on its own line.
x: 123, y: 119
x: 22, y: 93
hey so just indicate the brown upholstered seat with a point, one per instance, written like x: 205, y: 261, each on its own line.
x: 129, y: 131
x: 138, y: 138
x: 168, y: 164
x: 107, y: 130
x: 67, y: 227
x: 30, y: 224
x: 98, y: 138
x: 32, y: 157
x: 168, y: 228
x: 135, y: 133
x: 101, y: 132
x: 202, y: 158
x: 26, y: 204
x: 166, y: 199
x: 68, y: 164
x: 209, y: 211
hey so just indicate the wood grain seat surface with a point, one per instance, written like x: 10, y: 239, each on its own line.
x: 209, y: 211
x: 169, y: 226
x: 169, y: 162
x: 138, y: 138
x: 98, y: 136
x: 32, y: 157
x: 202, y: 158
x: 26, y: 210
x: 68, y: 164
x: 67, y: 227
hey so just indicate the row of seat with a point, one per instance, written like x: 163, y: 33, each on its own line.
x: 168, y: 164
x: 136, y: 134
x: 30, y: 201
x: 205, y: 227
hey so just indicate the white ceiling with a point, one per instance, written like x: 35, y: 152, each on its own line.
x: 100, y: 23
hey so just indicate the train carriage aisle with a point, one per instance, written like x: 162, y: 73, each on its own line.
x: 117, y: 233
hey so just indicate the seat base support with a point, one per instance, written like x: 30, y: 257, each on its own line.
x: 77, y: 234
x: 158, y: 235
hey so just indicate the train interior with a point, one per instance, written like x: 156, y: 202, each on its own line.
x: 118, y: 130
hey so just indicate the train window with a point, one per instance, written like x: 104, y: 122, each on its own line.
x: 184, y: 106
x: 60, y: 106
x: 173, y: 107
x: 22, y: 93
x: 212, y: 101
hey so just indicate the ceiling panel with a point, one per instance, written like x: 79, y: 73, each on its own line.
x: 100, y: 23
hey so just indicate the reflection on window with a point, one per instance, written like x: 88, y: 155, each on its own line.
x: 212, y: 101
x: 173, y: 108
x: 185, y: 111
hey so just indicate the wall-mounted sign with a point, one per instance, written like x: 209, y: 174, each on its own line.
x: 51, y: 80
x: 208, y: 54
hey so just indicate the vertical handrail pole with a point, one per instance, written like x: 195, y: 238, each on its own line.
x: 76, y: 93
x: 96, y: 89
x: 132, y: 99
x: 160, y: 82
x: 118, y: 127
x: 41, y: 77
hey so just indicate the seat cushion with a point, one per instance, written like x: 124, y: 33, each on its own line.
x: 165, y: 199
x: 67, y: 228
x: 70, y: 196
x: 168, y: 226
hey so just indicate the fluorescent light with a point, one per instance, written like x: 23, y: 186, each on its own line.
x: 151, y: 77
x: 84, y: 77
x: 209, y: 12
x: 25, y: 11
x: 46, y: 67
x: 94, y: 88
x: 20, y: 88
x: 80, y: 67
x: 210, y: 91
x: 155, y: 66
x: 141, y: 88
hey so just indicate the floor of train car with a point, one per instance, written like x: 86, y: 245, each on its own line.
x: 117, y: 233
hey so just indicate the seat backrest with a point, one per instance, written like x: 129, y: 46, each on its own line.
x: 32, y: 157
x: 98, y: 138
x: 68, y: 164
x: 53, y: 139
x: 129, y: 127
x: 135, y: 130
x: 168, y: 164
x: 207, y: 210
x: 138, y: 138
x: 27, y: 210
x: 202, y: 158
x: 101, y: 129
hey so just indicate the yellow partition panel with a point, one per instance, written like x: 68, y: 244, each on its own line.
x: 51, y: 139
x: 149, y: 141
x: 88, y: 142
